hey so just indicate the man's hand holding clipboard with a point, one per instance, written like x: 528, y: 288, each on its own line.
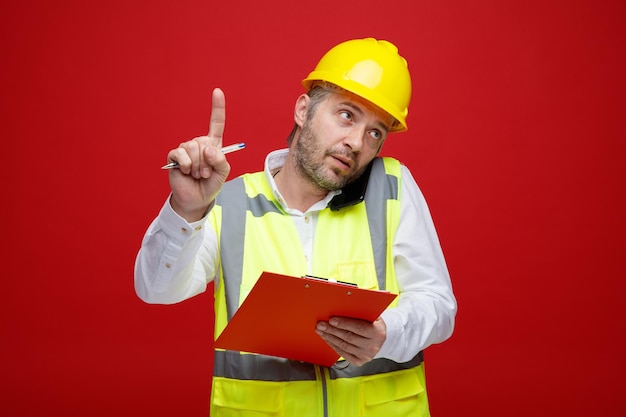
x: 309, y: 319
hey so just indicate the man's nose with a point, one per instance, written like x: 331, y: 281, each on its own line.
x: 354, y: 138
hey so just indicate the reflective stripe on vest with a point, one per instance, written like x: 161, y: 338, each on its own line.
x: 232, y: 243
x: 269, y: 368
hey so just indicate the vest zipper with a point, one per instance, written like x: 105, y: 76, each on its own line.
x: 323, y: 375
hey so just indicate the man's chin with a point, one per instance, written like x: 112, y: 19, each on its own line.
x: 332, y: 182
x: 341, y: 178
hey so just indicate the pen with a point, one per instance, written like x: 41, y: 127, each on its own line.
x: 225, y: 150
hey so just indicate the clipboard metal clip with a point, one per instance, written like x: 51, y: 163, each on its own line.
x: 329, y: 280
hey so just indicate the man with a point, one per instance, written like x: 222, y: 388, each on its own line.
x: 327, y: 206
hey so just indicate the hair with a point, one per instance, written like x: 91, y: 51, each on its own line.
x: 317, y: 94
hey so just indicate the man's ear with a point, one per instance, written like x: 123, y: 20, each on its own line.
x: 301, y: 108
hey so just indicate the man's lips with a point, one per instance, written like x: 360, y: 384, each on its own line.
x: 344, y: 160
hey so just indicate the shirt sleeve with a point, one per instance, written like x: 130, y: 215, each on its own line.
x: 426, y: 306
x: 176, y: 260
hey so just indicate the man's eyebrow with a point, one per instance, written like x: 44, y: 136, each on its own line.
x: 359, y: 110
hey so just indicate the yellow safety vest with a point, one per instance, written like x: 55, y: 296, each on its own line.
x: 353, y: 242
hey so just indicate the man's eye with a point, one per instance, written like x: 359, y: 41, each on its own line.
x: 345, y: 115
x: 376, y: 134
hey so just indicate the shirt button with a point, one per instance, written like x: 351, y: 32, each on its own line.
x: 307, y: 219
x: 198, y: 228
x: 168, y: 265
x: 184, y: 230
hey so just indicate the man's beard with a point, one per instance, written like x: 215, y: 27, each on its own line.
x: 313, y: 170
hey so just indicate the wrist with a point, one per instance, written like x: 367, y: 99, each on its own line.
x: 190, y: 214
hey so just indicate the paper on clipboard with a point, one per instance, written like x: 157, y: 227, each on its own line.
x: 279, y: 315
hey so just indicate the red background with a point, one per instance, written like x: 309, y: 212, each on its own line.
x: 517, y: 138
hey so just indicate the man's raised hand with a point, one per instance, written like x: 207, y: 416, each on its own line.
x: 203, y: 168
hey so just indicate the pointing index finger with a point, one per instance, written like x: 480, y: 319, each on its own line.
x: 218, y: 117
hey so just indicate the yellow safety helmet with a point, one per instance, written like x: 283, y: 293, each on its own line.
x: 371, y: 69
